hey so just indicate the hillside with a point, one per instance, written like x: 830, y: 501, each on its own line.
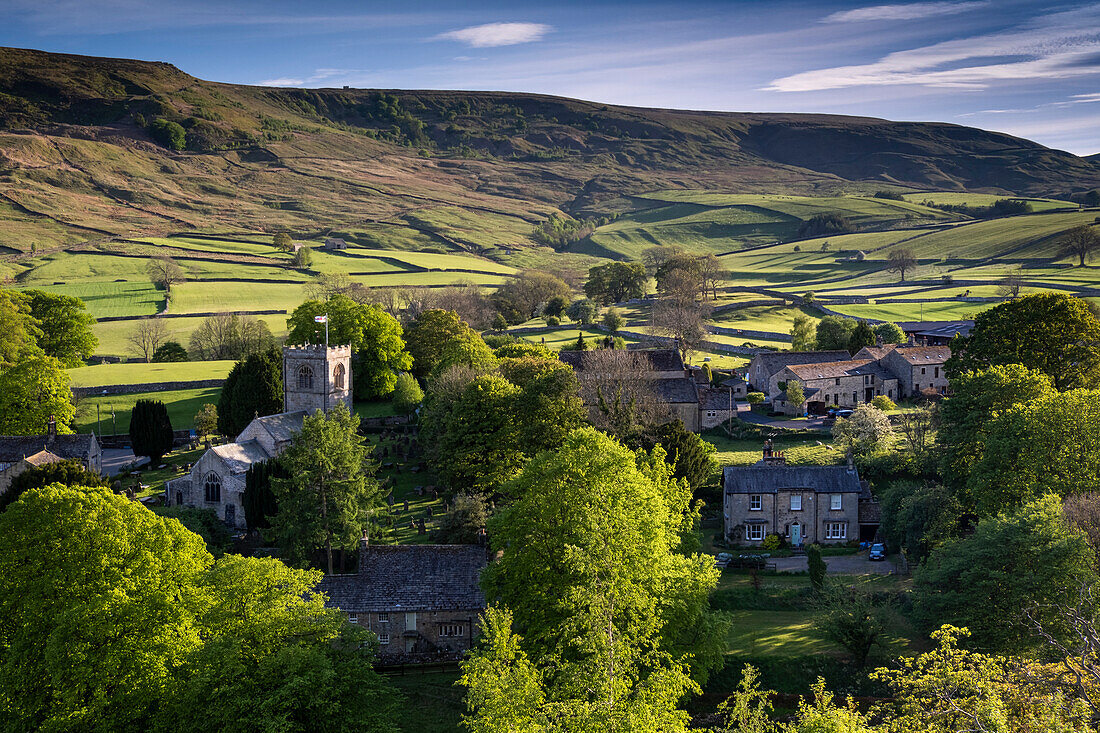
x: 411, y: 169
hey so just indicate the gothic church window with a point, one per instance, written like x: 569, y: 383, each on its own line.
x: 338, y: 376
x: 305, y: 378
x: 212, y: 487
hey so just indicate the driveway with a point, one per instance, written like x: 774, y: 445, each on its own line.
x: 840, y: 564
x: 812, y: 423
x: 115, y: 459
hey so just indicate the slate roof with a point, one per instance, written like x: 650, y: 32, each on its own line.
x: 760, y: 479
x: 831, y: 369
x: 16, y: 447
x: 681, y: 389
x: 733, y: 381
x: 874, y: 352
x: 716, y: 399
x: 774, y: 361
x: 410, y: 578
x: 43, y: 457
x: 283, y: 426
x: 660, y: 360
x: 239, y: 456
x: 946, y: 326
x: 924, y: 354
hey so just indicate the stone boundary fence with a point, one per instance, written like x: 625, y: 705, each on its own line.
x: 120, y: 389
x: 275, y: 312
x: 749, y: 333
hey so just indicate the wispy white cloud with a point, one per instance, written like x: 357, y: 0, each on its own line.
x: 1058, y: 46
x: 283, y: 81
x: 497, y: 34
x: 909, y: 11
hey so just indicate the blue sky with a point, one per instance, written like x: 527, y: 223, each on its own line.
x: 1026, y: 68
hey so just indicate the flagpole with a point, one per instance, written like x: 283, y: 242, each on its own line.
x: 326, y: 330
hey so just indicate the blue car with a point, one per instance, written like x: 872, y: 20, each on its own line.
x: 878, y: 552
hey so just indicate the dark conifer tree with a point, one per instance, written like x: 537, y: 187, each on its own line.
x: 150, y: 430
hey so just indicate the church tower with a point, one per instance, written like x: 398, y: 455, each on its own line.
x: 316, y: 377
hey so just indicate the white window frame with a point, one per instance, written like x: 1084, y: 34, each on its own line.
x: 353, y: 618
x: 754, y: 532
x: 451, y: 630
x: 796, y: 502
x: 756, y: 502
x: 836, y: 502
x: 383, y: 639
x: 383, y: 618
x: 836, y: 530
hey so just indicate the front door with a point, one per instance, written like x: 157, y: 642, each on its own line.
x: 231, y: 515
x: 869, y: 394
x: 796, y: 535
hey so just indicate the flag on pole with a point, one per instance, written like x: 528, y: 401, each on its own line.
x: 321, y: 319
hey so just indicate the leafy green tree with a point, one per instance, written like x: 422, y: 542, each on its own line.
x: 436, y: 339
x: 407, y: 395
x: 169, y: 134
x: 615, y: 282
x: 597, y: 586
x: 1029, y: 559
x: 464, y: 520
x: 583, y: 311
x: 817, y: 567
x: 204, y: 522
x: 964, y: 417
x: 890, y: 333
x: 824, y: 224
x: 31, y: 392
x: 548, y: 404
x: 834, y: 333
x: 19, y: 332
x: 555, y: 307
x: 862, y: 335
x: 303, y: 258
x: 1053, y: 333
x: 65, y: 325
x: 523, y: 296
x: 254, y: 387
x: 150, y: 430
x: 170, y: 351
x: 282, y: 242
x: 504, y: 690
x: 521, y: 349
x: 206, y: 420
x: 917, y: 518
x: 865, y: 430
x: 331, y: 491
x: 67, y: 473
x: 374, y: 335
x: 803, y: 333
x: 500, y: 323
x: 259, y: 500
x: 1049, y: 445
x: 749, y: 708
x: 853, y: 618
x: 794, y: 393
x: 613, y: 320
x: 691, y: 457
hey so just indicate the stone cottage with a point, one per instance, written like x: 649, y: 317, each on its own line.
x: 804, y: 504
x: 19, y: 453
x: 314, y: 378
x: 767, y: 364
x: 421, y: 601
x: 833, y: 384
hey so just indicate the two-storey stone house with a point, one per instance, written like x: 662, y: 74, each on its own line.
x: 919, y: 369
x: 804, y: 504
x: 833, y: 384
x: 767, y: 364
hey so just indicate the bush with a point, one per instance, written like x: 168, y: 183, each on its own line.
x: 754, y: 398
x: 167, y: 133
x: 771, y: 542
x: 553, y: 321
x: 496, y: 340
x: 170, y: 351
x: 407, y: 394
x: 884, y: 403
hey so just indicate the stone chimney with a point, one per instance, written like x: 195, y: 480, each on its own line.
x: 364, y: 541
x: 51, y: 429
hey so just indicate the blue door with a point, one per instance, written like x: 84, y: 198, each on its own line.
x: 796, y: 535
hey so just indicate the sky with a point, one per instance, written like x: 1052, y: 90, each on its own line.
x: 1029, y: 68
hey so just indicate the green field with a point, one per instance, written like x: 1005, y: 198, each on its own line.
x: 764, y: 318
x: 113, y: 299
x: 945, y: 198
x: 182, y: 405
x: 113, y: 335
x: 915, y: 311
x: 140, y: 373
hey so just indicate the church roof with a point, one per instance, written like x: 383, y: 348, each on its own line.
x: 239, y: 456
x: 283, y: 426
x: 410, y: 578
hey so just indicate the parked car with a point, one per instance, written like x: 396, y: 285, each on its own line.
x: 878, y: 552
x: 753, y: 561
x: 722, y: 560
x: 845, y: 413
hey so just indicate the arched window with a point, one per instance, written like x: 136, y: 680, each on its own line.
x: 338, y: 376
x: 212, y: 487
x: 305, y: 378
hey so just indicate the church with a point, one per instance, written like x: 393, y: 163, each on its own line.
x: 314, y: 378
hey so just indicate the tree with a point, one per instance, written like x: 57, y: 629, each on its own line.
x: 407, y: 395
x: 1047, y: 446
x: 582, y: 311
x: 834, y: 333
x: 151, y: 430
x: 579, y: 345
x: 523, y: 296
x: 147, y: 337
x: 331, y: 491
x: 654, y: 257
x: 890, y: 333
x: 825, y: 224
x: 613, y: 320
x: 691, y: 457
x: 865, y: 430
x: 596, y: 585
x: 303, y: 258
x: 555, y: 307
x: 464, y: 521
x: 155, y: 628
x: 901, y: 260
x: 1010, y: 284
x: 170, y: 351
x: 917, y: 430
x: 803, y: 333
x: 862, y: 336
x: 19, y: 333
x: 375, y: 337
x: 964, y: 417
x: 1011, y: 563
x: 1054, y: 333
x: 627, y: 405
x: 32, y: 392
x: 794, y: 394
x: 711, y: 273
x: 748, y: 709
x: 616, y: 282
x: 206, y: 420
x: 164, y: 272
x: 225, y: 336
x: 853, y: 618
x: 169, y: 134
x: 437, y: 339
x: 1080, y: 242
x: 817, y: 567
x: 683, y: 321
x: 916, y: 518
x: 259, y: 500
x: 681, y: 278
x: 282, y: 242
x: 65, y: 325
x: 67, y: 473
x: 253, y: 387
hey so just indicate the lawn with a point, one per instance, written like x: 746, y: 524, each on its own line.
x: 781, y: 633
x: 798, y: 449
x: 954, y: 198
x: 182, y: 404
x: 141, y: 373
x: 949, y: 311
x: 779, y: 319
